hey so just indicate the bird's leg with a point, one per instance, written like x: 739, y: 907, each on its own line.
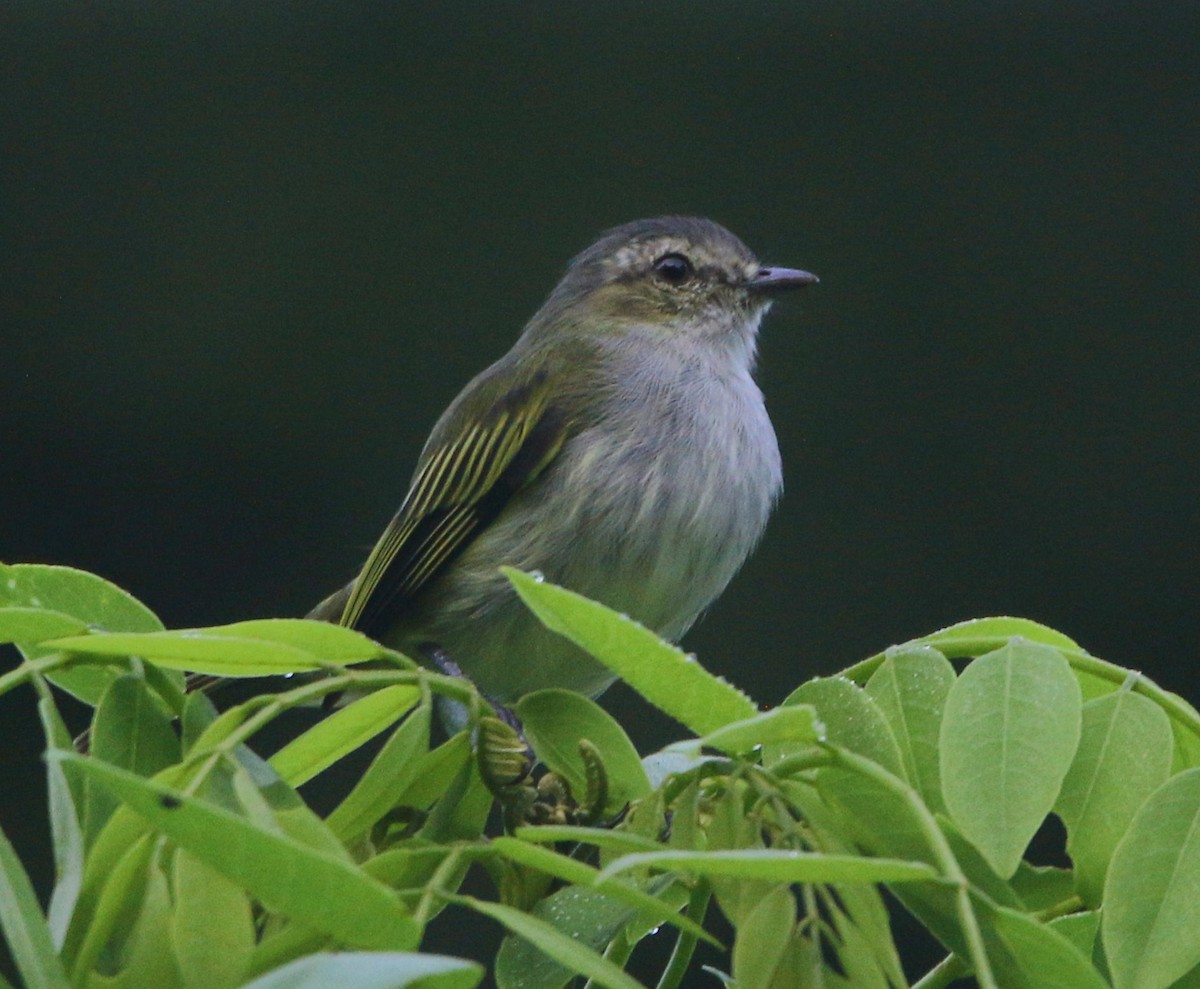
x: 506, y: 763
x: 438, y: 656
x: 441, y: 659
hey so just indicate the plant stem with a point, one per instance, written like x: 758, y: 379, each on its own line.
x: 685, y: 944
x: 435, y: 888
x: 1176, y: 707
x: 1060, y: 909
x: 618, y: 951
x: 346, y: 680
x: 941, y: 975
x: 33, y: 667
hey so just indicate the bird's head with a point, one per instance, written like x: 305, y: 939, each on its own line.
x: 676, y: 274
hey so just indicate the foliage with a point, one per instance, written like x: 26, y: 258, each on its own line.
x: 184, y: 859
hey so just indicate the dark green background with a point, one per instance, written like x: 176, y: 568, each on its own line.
x: 251, y: 250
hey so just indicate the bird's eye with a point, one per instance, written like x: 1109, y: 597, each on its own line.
x: 674, y: 269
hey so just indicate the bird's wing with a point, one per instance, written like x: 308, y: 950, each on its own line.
x: 467, y: 474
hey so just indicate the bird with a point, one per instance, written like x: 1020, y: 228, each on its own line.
x: 621, y: 449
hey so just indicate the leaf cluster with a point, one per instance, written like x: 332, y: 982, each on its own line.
x: 184, y: 858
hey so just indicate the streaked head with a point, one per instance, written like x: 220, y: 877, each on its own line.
x: 687, y: 273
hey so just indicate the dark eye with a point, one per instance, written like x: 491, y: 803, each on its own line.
x: 674, y: 269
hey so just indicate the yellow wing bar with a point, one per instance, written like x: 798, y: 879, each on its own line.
x: 461, y: 485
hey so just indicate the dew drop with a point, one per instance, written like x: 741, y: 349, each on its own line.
x: 538, y: 576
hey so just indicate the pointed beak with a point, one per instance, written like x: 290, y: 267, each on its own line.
x: 772, y: 280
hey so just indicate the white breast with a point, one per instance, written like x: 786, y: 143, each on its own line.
x: 650, y: 512
x: 677, y: 485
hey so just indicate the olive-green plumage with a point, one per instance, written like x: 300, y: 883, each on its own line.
x: 621, y: 448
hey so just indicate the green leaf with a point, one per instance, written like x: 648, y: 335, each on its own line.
x: 462, y: 806
x: 569, y: 952
x: 727, y: 827
x: 884, y: 822
x: 130, y: 731
x: 124, y: 830
x: 910, y: 687
x: 283, y: 943
x: 85, y: 597
x: 82, y: 595
x: 1041, y: 887
x: 1009, y: 734
x: 29, y: 626
x: 410, y: 864
x: 675, y: 760
x: 1093, y: 684
x: 273, y: 805
x: 979, y: 873
x: 668, y: 678
x: 145, y: 957
x: 762, y: 939
x: 861, y: 904
x: 1151, y: 922
x: 372, y: 970
x: 342, y: 732
x: 979, y: 635
x: 199, y: 713
x: 583, y: 875
x: 791, y: 724
x: 1028, y: 955
x: 24, y: 926
x: 867, y: 956
x: 196, y: 651
x: 206, y: 734
x: 587, y: 917
x: 1189, y: 981
x: 65, y: 801
x: 554, y: 722
x: 288, y: 877
x: 1080, y: 929
x: 212, y: 931
x: 779, y: 865
x: 428, y: 780
x: 1124, y: 755
x: 333, y: 643
x: 399, y: 763
x: 803, y: 965
x: 117, y: 904
x: 1187, y: 745
x: 852, y: 719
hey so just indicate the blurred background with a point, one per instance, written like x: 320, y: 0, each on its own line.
x: 251, y: 251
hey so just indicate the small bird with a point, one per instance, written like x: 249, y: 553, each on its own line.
x: 621, y: 448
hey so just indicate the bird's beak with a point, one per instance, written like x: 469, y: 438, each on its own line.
x: 772, y: 280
